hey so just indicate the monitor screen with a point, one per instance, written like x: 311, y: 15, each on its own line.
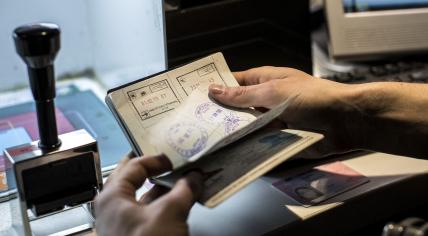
x: 112, y: 41
x: 380, y: 5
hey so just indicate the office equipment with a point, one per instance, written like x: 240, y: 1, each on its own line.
x: 38, y: 46
x: 76, y: 108
x: 55, y: 172
x: 370, y: 29
x: 401, y: 71
x: 410, y: 68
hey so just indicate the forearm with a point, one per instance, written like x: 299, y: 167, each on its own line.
x: 391, y: 117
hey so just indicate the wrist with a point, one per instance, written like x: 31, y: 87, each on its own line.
x: 373, y: 99
x: 364, y: 106
x: 389, y: 117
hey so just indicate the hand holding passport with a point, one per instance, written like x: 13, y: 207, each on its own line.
x: 171, y: 113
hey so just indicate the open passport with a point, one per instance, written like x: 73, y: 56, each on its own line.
x: 171, y: 113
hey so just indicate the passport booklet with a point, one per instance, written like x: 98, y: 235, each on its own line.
x: 171, y: 113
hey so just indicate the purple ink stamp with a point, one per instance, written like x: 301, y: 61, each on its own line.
x: 187, y: 139
x: 231, y: 122
x: 211, y: 113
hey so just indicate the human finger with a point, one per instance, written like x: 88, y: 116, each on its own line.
x: 136, y: 170
x: 260, y: 95
x: 119, y: 166
x: 182, y: 196
x: 153, y: 194
x: 263, y: 74
x: 240, y: 77
x: 123, y: 162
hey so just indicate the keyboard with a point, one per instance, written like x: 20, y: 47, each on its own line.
x: 411, y: 72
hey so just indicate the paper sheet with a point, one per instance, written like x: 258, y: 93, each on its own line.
x: 144, y: 103
x: 200, y: 126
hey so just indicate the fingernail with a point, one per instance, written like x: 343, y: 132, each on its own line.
x: 131, y: 154
x: 216, y: 89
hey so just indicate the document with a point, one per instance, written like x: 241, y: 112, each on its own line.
x: 141, y: 104
x: 320, y: 183
x: 171, y: 113
x: 234, y: 166
x: 200, y: 126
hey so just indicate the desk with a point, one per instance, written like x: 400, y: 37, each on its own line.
x: 395, y: 183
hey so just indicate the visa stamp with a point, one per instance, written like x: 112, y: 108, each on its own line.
x: 215, y: 114
x: 231, y: 123
x: 153, y: 99
x: 187, y: 139
x: 202, y: 76
x: 211, y: 113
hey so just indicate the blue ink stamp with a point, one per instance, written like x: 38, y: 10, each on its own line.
x: 231, y: 122
x: 211, y: 113
x: 187, y: 139
x: 215, y: 114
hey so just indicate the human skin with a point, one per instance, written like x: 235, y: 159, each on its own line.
x: 388, y: 117
x: 159, y: 212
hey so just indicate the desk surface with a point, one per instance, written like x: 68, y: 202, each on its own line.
x: 259, y: 208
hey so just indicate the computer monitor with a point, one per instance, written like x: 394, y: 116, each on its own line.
x: 112, y: 41
x: 372, y: 29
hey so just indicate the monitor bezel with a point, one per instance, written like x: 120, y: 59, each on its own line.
x: 403, y: 19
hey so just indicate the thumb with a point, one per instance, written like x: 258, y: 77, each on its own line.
x: 260, y: 95
x: 183, y: 195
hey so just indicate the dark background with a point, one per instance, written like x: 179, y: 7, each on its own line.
x: 250, y: 33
